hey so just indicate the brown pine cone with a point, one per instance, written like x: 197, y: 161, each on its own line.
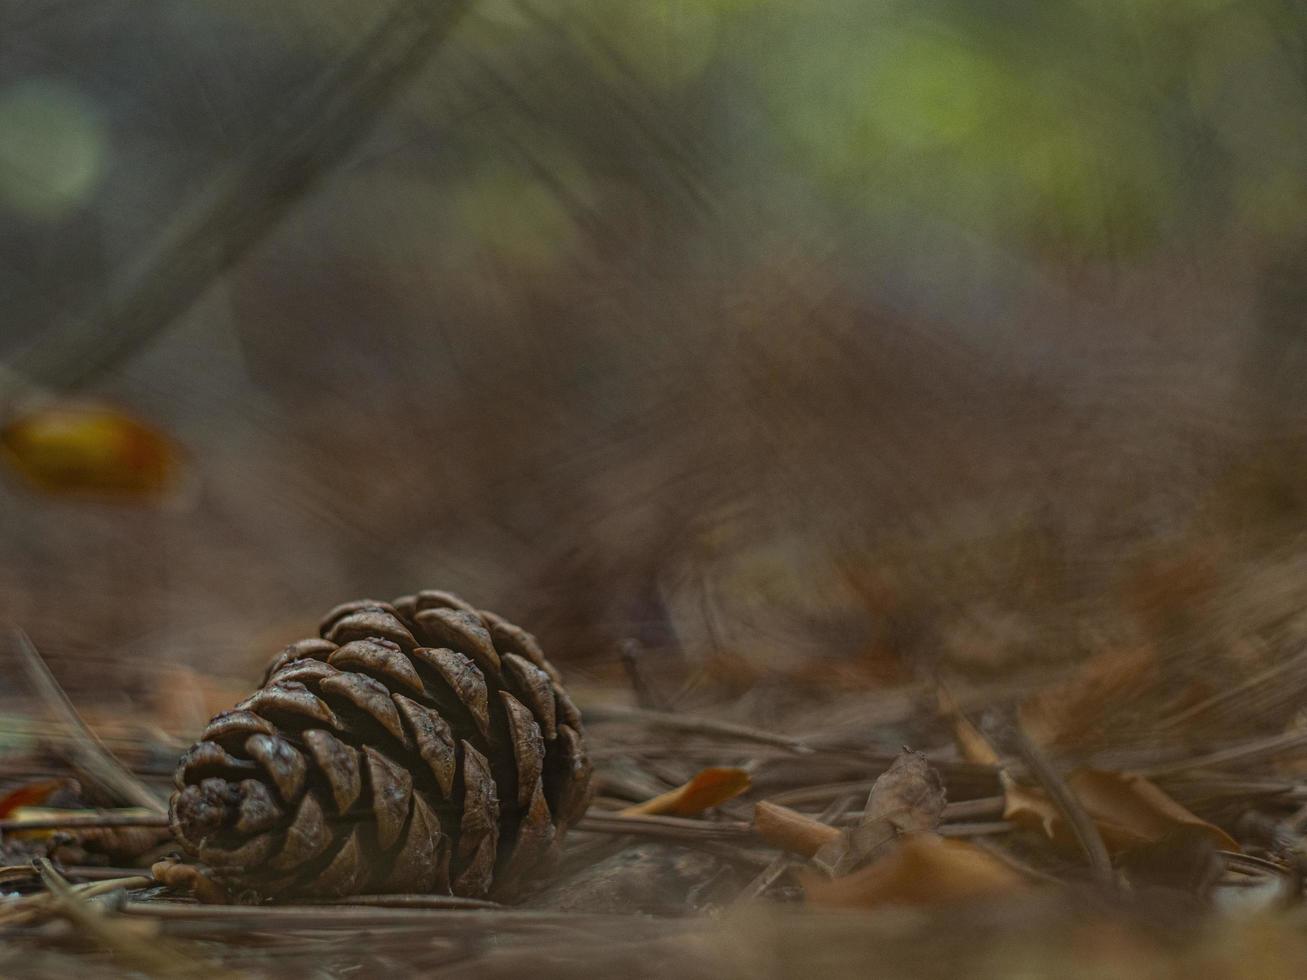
x: 417, y: 746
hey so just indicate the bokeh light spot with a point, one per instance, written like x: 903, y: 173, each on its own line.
x: 52, y: 148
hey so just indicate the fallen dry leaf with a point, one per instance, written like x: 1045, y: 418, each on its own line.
x: 1128, y: 810
x: 707, y: 789
x: 1072, y: 711
x: 30, y: 794
x: 909, y: 795
x: 94, y: 449
x: 790, y: 830
x: 923, y: 869
x: 907, y: 798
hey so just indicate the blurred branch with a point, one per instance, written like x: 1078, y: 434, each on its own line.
x: 238, y: 209
x: 87, y: 752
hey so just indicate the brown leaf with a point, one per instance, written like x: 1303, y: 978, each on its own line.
x: 923, y: 869
x: 707, y: 789
x: 1128, y: 810
x: 907, y: 798
x: 1071, y: 711
x: 909, y: 795
x: 790, y: 830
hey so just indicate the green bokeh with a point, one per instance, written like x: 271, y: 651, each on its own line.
x: 52, y: 149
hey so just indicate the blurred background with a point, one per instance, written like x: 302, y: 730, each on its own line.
x: 792, y: 341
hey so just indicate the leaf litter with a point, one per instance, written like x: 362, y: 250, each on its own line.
x: 683, y: 860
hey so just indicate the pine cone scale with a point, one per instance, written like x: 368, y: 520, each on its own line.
x: 416, y: 745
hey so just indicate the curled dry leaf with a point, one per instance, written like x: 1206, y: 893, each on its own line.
x: 790, y: 830
x: 907, y: 798
x: 923, y: 869
x: 1128, y: 810
x: 189, y: 879
x: 1072, y: 712
x: 909, y: 795
x: 70, y: 448
x: 707, y: 789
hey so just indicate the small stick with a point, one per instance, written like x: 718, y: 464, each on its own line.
x: 152, y: 955
x: 979, y: 829
x: 692, y: 725
x: 662, y: 826
x: 31, y: 907
x: 92, y: 873
x: 275, y: 917
x: 86, y: 821
x: 87, y: 751
x: 987, y: 806
x: 959, y: 812
x: 1081, y: 824
x: 1262, y: 748
x: 405, y: 901
x: 783, y: 862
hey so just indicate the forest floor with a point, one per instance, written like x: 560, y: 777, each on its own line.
x: 1075, y: 822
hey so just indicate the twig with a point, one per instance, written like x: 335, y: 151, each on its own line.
x: 87, y: 752
x: 821, y: 792
x: 276, y: 917
x: 670, y: 827
x: 1262, y: 748
x: 986, y: 806
x: 401, y: 901
x: 243, y: 204
x: 1084, y: 828
x: 980, y: 829
x: 692, y: 725
x: 32, y: 907
x: 716, y: 751
x: 94, y: 873
x: 85, y: 821
x: 152, y: 955
x: 783, y: 862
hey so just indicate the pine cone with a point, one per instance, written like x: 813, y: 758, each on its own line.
x: 417, y: 746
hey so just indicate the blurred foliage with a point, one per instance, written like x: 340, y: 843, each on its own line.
x: 738, y: 325
x: 1103, y: 126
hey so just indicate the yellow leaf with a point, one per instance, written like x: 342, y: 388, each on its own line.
x: 90, y: 449
x: 924, y: 869
x: 707, y: 789
x: 1128, y: 810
